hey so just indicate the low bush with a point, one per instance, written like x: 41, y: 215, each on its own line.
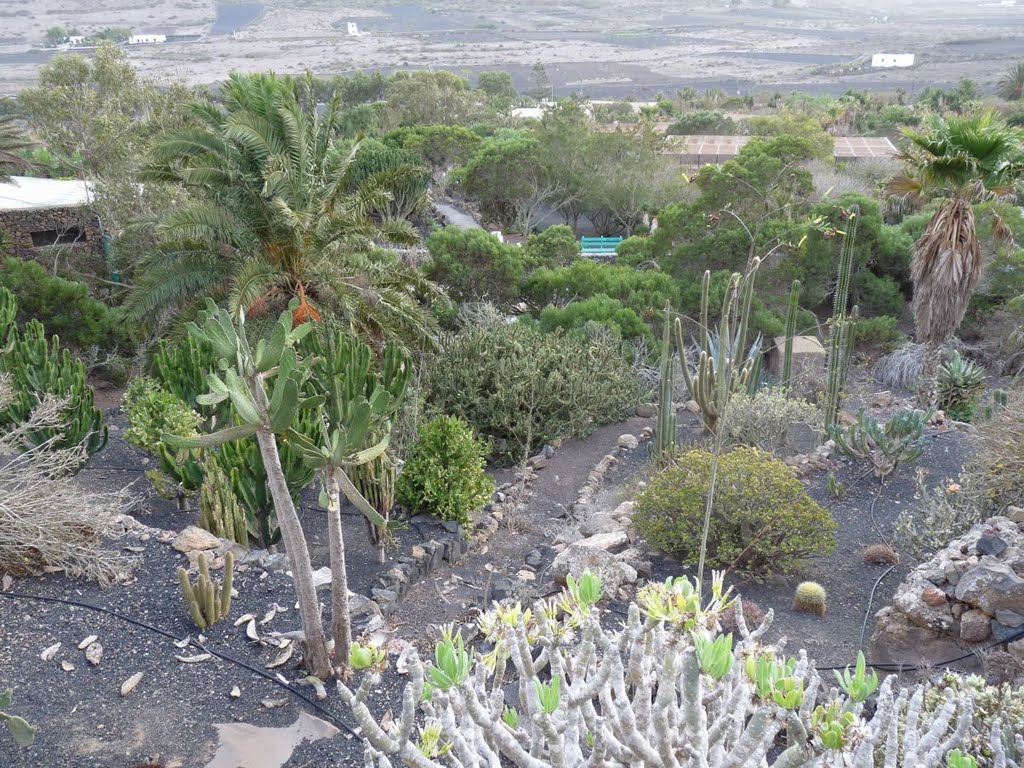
x: 520, y: 387
x: 64, y: 307
x: 153, y: 413
x: 444, y: 472
x: 996, y: 470
x: 763, y: 420
x: 881, y: 333
x: 876, y: 295
x: 637, y: 289
x: 597, y: 309
x: 555, y: 246
x: 763, y: 521
x: 704, y: 122
x: 474, y: 265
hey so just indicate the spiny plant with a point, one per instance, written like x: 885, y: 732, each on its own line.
x: 842, y: 325
x: 960, y: 386
x: 810, y: 597
x: 208, y: 601
x: 899, y: 440
x: 787, y: 350
x: 219, y: 510
x: 880, y: 554
x: 663, y: 447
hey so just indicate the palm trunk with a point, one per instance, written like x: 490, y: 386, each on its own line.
x: 317, y: 660
x: 930, y: 361
x: 341, y: 620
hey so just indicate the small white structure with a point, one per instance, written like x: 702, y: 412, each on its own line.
x: 892, y: 60
x: 146, y: 39
x: 497, y: 234
x: 353, y: 30
x: 76, y: 40
x: 26, y: 192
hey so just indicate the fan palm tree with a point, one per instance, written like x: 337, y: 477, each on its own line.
x: 270, y: 219
x: 13, y: 142
x: 1011, y: 85
x: 962, y: 161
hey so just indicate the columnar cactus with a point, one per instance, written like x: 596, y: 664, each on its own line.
x: 664, y: 445
x: 208, y: 601
x: 787, y: 352
x: 219, y: 510
x: 662, y: 691
x: 842, y: 326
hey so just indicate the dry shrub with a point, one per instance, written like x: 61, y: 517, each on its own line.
x: 880, y: 554
x: 47, y: 518
x: 753, y: 616
x: 901, y: 369
x: 763, y: 420
x: 996, y: 470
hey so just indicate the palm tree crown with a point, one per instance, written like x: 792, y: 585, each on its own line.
x: 271, y: 218
x: 13, y: 142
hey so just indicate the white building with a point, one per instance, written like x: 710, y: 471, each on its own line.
x: 892, y: 60
x: 146, y: 39
x: 353, y: 30
x: 76, y: 40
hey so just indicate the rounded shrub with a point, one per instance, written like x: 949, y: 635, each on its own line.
x: 763, y: 522
x: 152, y: 413
x: 810, y: 597
x: 444, y: 472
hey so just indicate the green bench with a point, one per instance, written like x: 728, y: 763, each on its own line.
x: 599, y: 246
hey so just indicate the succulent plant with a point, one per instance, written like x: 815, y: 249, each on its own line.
x: 20, y: 729
x: 208, y: 601
x: 899, y: 440
x: 810, y: 597
x: 961, y: 384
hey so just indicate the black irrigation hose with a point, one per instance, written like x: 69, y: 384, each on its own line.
x: 223, y: 656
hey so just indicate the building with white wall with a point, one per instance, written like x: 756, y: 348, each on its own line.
x: 146, y: 39
x: 892, y: 60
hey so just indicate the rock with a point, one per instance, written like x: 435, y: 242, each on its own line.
x: 635, y: 558
x: 94, y: 654
x: 991, y: 586
x: 884, y: 399
x: 647, y: 410
x: 628, y: 442
x: 624, y: 512
x: 575, y: 559
x: 130, y: 684
x: 975, y: 627
x: 692, y: 406
x: 613, y: 541
x: 923, y: 604
x: 1009, y: 618
x: 597, y: 524
x: 990, y: 544
x: 933, y: 597
x: 526, y: 575
x: 1015, y: 514
x: 195, y: 539
x: 548, y: 451
x: 236, y: 692
x: 897, y: 639
x: 538, y: 462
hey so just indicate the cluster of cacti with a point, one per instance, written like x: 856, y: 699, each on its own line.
x: 810, y: 597
x: 662, y: 689
x: 663, y: 447
x: 37, y: 367
x: 787, y: 351
x: 724, y: 364
x: 961, y: 384
x: 842, y: 326
x: 21, y: 731
x: 208, y: 601
x: 1000, y: 399
x: 219, y: 510
x: 899, y: 440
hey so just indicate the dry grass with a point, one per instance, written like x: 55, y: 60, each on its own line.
x: 48, y: 519
x: 880, y: 554
x: 901, y: 369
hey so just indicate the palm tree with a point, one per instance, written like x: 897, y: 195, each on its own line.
x: 1011, y: 85
x: 271, y: 219
x: 13, y: 142
x: 962, y: 161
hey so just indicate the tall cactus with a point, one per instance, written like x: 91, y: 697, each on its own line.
x: 723, y: 366
x: 219, y: 510
x: 38, y: 367
x: 664, y: 445
x: 208, y: 601
x: 787, y: 353
x: 842, y: 326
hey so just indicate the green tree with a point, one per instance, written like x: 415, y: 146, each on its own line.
x: 424, y: 98
x: 540, y: 83
x: 474, y: 265
x: 272, y: 219
x: 497, y: 85
x: 565, y: 143
x: 56, y: 35
x: 14, y: 143
x: 442, y: 147
x: 1011, y: 85
x: 960, y: 161
x: 399, y: 173
x: 787, y: 122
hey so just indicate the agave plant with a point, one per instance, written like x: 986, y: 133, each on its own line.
x: 961, y: 384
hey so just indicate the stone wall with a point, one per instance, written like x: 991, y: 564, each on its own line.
x: 970, y: 593
x: 18, y: 225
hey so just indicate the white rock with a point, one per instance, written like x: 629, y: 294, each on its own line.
x: 629, y: 442
x: 129, y: 685
x: 195, y: 539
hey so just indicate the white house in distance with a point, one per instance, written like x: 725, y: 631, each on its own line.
x: 146, y: 39
x: 892, y: 60
x: 353, y: 30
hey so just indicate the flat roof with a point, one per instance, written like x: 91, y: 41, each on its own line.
x: 27, y: 192
x: 845, y: 147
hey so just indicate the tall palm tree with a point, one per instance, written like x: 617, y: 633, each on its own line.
x: 270, y: 219
x: 962, y: 161
x: 13, y: 142
x: 1011, y: 85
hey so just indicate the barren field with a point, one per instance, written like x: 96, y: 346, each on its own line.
x: 598, y: 48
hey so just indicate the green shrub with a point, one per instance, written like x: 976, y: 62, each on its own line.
x: 881, y: 333
x: 64, y: 307
x: 519, y: 387
x: 762, y: 421
x: 444, y: 472
x: 632, y: 251
x: 704, y: 122
x: 152, y: 412
x: 876, y: 295
x: 600, y: 309
x: 763, y: 522
x: 474, y: 265
x: 637, y: 289
x: 556, y: 246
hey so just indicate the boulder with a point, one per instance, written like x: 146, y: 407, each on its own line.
x: 899, y: 640
x: 195, y: 539
x: 628, y: 442
x: 991, y: 586
x: 975, y: 627
x: 576, y: 558
x: 598, y: 524
x: 923, y: 604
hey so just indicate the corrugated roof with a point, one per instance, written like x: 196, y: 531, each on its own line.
x: 25, y: 192
x: 708, y: 148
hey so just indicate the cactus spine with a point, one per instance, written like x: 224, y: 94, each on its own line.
x: 208, y: 601
x: 724, y: 367
x: 841, y: 335
x: 787, y: 353
x: 219, y: 510
x: 664, y: 445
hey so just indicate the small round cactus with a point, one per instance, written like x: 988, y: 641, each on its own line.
x: 880, y: 554
x: 810, y: 597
